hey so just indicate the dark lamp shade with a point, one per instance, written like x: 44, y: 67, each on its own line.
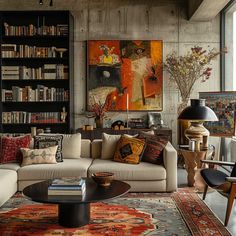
x: 198, y: 112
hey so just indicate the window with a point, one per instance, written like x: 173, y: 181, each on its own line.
x: 228, y: 39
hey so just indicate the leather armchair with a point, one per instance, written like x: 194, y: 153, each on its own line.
x: 220, y: 181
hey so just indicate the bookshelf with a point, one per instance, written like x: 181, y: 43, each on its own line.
x: 36, y: 71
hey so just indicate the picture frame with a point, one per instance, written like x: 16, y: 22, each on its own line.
x: 123, y: 71
x: 224, y: 105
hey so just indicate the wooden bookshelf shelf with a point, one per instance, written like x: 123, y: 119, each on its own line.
x: 24, y: 36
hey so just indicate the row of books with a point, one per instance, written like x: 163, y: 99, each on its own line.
x: 40, y: 94
x: 23, y: 117
x: 27, y: 51
x: 47, y: 71
x: 32, y: 30
x: 67, y: 186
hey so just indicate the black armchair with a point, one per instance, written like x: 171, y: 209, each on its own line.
x: 223, y: 183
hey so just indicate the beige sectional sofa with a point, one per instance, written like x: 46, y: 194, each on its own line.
x: 144, y: 177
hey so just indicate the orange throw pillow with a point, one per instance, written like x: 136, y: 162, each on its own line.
x: 129, y: 150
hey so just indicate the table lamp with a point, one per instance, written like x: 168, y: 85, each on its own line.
x: 197, y: 113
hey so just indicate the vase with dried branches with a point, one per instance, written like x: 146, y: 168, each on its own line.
x: 186, y: 70
x: 100, y: 110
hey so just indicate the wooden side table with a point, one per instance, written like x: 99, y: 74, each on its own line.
x: 193, y: 163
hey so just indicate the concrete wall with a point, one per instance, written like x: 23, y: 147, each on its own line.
x: 134, y: 19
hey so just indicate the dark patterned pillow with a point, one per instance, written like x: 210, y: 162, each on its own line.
x: 153, y: 152
x: 45, y: 141
x: 129, y: 150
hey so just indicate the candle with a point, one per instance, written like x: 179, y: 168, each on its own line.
x: 127, y: 102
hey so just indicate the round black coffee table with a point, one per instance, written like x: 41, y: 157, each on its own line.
x: 74, y: 211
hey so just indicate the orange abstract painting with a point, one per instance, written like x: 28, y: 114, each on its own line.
x: 129, y: 71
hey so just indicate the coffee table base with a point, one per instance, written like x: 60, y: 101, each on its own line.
x: 73, y: 215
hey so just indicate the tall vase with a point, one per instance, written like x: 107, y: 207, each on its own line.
x: 99, y: 122
x: 182, y: 124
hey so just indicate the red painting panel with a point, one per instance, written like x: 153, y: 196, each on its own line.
x: 129, y: 71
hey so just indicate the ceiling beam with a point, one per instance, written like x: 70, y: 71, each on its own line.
x: 205, y: 10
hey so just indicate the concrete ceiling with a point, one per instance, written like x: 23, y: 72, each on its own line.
x: 205, y: 10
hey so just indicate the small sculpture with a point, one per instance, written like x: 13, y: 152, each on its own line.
x: 63, y: 115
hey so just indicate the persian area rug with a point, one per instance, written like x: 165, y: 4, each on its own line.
x: 131, y: 215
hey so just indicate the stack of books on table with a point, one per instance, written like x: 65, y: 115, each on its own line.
x: 67, y: 186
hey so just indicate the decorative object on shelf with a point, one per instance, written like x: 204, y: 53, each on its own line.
x: 33, y: 131
x: 154, y: 120
x: 39, y: 131
x: 126, y: 68
x: 103, y: 179
x: 137, y: 123
x: 47, y: 130
x: 61, y: 51
x: 118, y: 125
x: 224, y: 105
x: 186, y: 70
x: 197, y: 113
x: 63, y: 115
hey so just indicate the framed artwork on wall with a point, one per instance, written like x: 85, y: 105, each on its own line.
x: 127, y: 72
x: 224, y: 105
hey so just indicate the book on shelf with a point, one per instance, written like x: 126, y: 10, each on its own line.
x: 23, y: 117
x: 32, y: 30
x: 47, y: 71
x: 40, y: 94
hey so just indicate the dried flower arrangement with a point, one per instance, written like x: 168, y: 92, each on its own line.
x: 101, y: 108
x: 186, y: 70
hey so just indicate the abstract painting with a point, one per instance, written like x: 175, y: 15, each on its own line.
x: 129, y: 71
x: 224, y: 105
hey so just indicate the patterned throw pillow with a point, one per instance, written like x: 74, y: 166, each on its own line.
x: 129, y: 150
x: 39, y: 156
x: 11, y: 148
x: 153, y: 152
x: 45, y: 141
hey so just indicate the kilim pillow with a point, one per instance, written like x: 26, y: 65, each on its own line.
x: 153, y: 151
x: 39, y: 156
x: 129, y: 150
x: 11, y: 148
x: 45, y: 141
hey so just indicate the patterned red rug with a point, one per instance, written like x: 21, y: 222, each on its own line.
x: 134, y: 214
x: 199, y: 218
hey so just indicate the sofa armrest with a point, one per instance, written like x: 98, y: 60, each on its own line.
x: 170, y: 163
x: 96, y: 148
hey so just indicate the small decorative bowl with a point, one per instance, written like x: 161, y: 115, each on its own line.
x: 103, y: 178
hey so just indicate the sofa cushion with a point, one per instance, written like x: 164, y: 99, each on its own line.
x: 67, y: 168
x: 10, y: 166
x: 11, y: 148
x: 129, y: 150
x: 109, y: 143
x: 71, y: 146
x: 39, y: 156
x: 142, y: 171
x: 45, y: 141
x: 153, y: 151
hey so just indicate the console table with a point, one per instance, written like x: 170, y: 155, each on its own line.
x: 97, y: 133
